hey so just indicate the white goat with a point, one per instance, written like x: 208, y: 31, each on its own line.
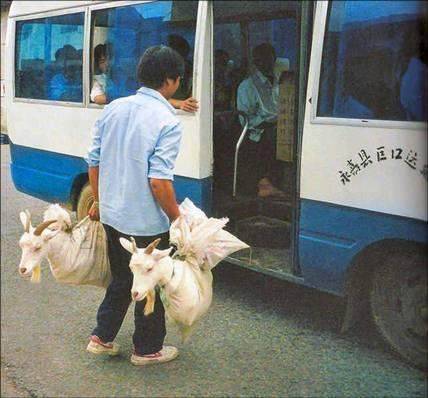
x: 187, y: 289
x: 60, y: 244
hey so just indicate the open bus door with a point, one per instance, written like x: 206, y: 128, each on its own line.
x: 267, y: 223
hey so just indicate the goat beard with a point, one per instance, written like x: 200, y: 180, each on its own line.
x: 36, y: 275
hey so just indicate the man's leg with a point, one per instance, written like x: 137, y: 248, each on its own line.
x: 118, y: 295
x: 150, y: 331
x: 273, y: 168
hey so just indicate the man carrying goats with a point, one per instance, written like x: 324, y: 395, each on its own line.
x: 131, y: 163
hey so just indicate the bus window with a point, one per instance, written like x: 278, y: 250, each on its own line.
x: 122, y: 34
x: 374, y: 65
x: 49, y: 58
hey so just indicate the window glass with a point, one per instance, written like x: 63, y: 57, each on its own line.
x: 121, y: 35
x: 374, y: 62
x: 49, y: 58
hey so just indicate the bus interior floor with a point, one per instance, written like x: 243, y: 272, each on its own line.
x: 277, y: 260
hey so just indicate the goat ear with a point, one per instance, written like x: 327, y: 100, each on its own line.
x: 25, y: 220
x: 128, y: 245
x: 161, y: 254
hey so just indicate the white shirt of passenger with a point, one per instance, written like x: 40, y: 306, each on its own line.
x: 98, y: 86
x: 135, y: 139
x: 258, y: 98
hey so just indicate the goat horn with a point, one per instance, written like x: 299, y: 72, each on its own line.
x: 41, y: 227
x: 134, y: 244
x: 28, y: 223
x: 152, y: 246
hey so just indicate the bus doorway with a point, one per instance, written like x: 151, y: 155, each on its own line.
x: 255, y: 128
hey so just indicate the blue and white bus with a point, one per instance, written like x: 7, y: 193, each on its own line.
x: 351, y: 132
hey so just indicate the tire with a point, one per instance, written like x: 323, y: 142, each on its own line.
x: 398, y: 302
x: 85, y: 201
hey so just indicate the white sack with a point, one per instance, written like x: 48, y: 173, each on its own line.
x: 188, y: 297
x: 201, y: 238
x: 86, y: 262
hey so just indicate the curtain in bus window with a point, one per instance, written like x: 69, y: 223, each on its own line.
x: 49, y: 58
x: 128, y: 31
x: 374, y: 62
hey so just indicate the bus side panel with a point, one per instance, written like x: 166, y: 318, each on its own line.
x: 331, y: 235
x: 198, y: 190
x: 49, y: 176
x: 46, y: 175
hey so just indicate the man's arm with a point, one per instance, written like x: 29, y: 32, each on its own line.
x: 163, y: 191
x: 93, y: 173
x: 93, y: 160
x: 161, y: 170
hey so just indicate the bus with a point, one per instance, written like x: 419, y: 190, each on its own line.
x: 347, y: 138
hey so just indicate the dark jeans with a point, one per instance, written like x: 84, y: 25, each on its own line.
x: 150, y: 330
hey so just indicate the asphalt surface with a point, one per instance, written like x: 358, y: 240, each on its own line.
x: 261, y: 337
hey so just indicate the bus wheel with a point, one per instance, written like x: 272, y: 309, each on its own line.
x: 399, y: 304
x: 85, y: 201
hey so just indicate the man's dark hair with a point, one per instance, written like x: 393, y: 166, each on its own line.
x: 157, y: 64
x: 263, y: 51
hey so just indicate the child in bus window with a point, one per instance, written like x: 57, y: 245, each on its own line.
x: 101, y: 65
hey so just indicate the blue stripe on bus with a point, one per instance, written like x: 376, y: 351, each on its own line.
x: 46, y: 175
x: 331, y: 235
x: 49, y: 176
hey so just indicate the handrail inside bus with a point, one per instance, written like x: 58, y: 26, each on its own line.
x: 238, y: 144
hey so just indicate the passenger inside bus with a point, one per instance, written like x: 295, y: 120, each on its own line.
x: 258, y: 99
x: 183, y: 97
x: 66, y: 84
x: 105, y: 86
x: 222, y: 80
x: 414, y: 79
x: 99, y: 83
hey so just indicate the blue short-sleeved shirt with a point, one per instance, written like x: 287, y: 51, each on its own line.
x: 136, y: 138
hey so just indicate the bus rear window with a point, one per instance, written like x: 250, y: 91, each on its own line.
x: 374, y: 62
x: 48, y: 58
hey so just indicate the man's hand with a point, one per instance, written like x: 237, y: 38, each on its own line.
x: 94, y: 212
x: 189, y: 105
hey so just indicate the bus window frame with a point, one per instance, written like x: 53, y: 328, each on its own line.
x: 321, y: 16
x: 85, y: 65
x: 117, y: 4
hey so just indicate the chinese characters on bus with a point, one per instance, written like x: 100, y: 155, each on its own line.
x: 364, y: 160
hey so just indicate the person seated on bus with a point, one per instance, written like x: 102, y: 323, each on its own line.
x: 183, y: 97
x: 99, y: 83
x: 66, y: 85
x: 222, y: 80
x: 258, y: 98
x: 414, y: 79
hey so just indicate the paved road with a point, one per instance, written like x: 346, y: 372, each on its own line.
x: 262, y: 337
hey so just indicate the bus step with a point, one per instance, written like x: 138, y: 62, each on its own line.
x: 238, y: 209
x: 262, y: 231
x: 281, y: 210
